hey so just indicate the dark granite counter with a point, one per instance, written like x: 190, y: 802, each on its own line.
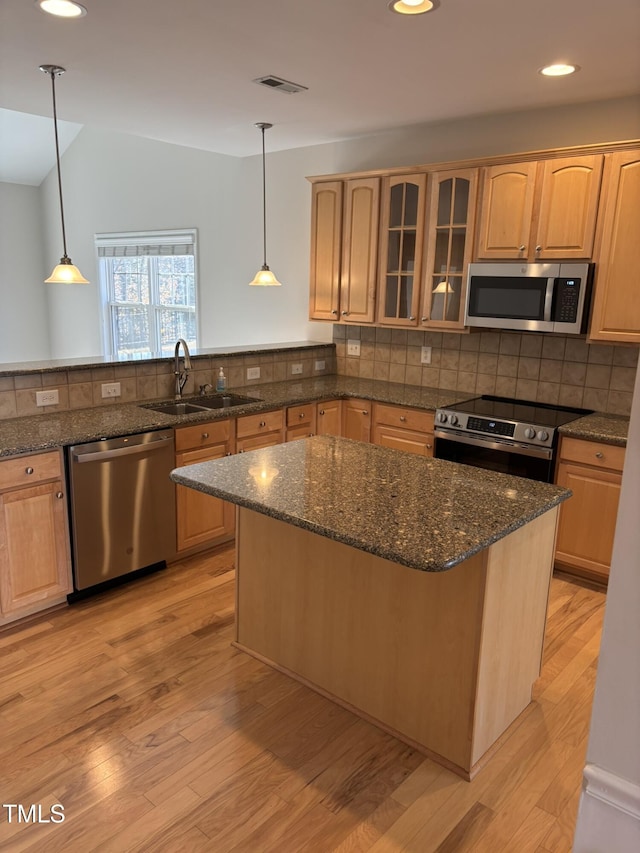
x: 423, y: 513
x: 609, y: 429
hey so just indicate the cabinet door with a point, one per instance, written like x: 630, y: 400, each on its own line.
x: 420, y: 443
x: 326, y: 248
x: 401, y: 241
x: 356, y: 419
x: 588, y: 519
x: 450, y: 227
x: 568, y: 206
x: 506, y: 210
x: 34, y: 548
x: 201, y: 518
x: 359, y: 250
x: 329, y: 417
x: 616, y: 310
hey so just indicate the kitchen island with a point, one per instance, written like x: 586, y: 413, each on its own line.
x: 411, y: 590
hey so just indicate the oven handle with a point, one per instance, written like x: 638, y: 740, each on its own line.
x: 493, y: 444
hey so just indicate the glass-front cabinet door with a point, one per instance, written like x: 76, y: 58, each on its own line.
x: 451, y: 220
x: 402, y: 229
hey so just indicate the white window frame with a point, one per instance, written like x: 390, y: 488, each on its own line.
x: 134, y: 241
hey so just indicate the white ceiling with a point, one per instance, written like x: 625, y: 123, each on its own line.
x: 182, y: 72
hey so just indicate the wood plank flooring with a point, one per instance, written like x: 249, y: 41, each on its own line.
x: 133, y: 711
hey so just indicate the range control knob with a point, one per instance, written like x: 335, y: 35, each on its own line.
x: 543, y: 435
x: 529, y: 432
x: 453, y: 420
x: 442, y: 417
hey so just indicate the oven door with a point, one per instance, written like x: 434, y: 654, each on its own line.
x: 535, y: 463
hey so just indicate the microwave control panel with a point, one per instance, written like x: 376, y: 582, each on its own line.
x: 566, y: 300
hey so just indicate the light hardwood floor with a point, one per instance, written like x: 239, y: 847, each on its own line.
x: 134, y: 712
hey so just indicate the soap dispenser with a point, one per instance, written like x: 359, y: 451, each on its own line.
x: 221, y: 381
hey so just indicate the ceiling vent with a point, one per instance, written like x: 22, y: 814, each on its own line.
x: 280, y: 85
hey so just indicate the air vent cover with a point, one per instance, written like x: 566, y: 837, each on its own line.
x: 280, y: 85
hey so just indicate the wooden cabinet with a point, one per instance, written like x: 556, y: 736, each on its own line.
x: 263, y: 430
x: 329, y: 417
x: 449, y: 246
x: 401, y: 242
x: 539, y: 210
x: 35, y: 565
x: 202, y: 519
x: 301, y: 421
x: 616, y: 309
x: 356, y: 419
x: 402, y: 428
x: 593, y: 472
x: 344, y: 250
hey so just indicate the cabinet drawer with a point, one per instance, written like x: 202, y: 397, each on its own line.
x: 592, y: 453
x: 27, y: 470
x: 297, y: 415
x: 399, y: 416
x: 202, y: 435
x: 257, y: 424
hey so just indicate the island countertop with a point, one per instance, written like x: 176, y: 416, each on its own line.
x: 427, y: 514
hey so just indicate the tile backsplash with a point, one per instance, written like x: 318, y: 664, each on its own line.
x: 544, y: 368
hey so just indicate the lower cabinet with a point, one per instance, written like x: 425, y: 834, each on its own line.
x: 356, y: 419
x: 586, y: 530
x: 402, y: 428
x: 35, y: 564
x: 256, y: 431
x: 202, y: 519
x: 329, y: 417
x: 301, y: 421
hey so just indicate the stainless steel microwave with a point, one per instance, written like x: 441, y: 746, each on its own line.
x: 529, y: 297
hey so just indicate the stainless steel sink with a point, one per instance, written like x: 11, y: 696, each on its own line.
x: 201, y: 404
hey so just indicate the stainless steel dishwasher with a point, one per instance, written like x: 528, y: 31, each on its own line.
x: 122, y: 501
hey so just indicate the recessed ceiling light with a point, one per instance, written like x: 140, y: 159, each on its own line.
x: 413, y: 7
x: 560, y: 69
x: 62, y: 8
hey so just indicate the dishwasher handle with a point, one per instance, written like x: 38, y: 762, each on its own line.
x: 129, y: 450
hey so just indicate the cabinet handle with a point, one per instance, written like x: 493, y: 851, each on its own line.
x: 321, y: 412
x: 599, y: 455
x: 538, y: 248
x: 428, y: 446
x: 301, y: 415
x: 229, y: 453
x: 365, y: 412
x: 59, y: 495
x: 241, y: 450
x: 334, y: 311
x: 412, y: 317
x: 262, y: 424
x: 345, y: 313
x: 205, y: 435
x: 423, y: 319
x: 402, y: 418
x: 28, y: 470
x: 522, y: 248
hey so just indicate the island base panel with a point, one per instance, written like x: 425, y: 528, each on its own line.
x: 445, y: 660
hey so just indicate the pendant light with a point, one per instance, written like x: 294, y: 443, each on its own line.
x: 65, y: 272
x: 264, y: 277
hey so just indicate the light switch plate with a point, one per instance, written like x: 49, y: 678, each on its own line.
x: 253, y: 373
x: 47, y: 398
x: 353, y: 348
x: 425, y: 356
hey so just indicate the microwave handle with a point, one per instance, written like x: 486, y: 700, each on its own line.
x: 548, y: 298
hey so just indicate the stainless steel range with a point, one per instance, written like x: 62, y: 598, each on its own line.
x: 514, y: 436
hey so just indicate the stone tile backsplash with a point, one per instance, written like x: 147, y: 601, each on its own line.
x: 141, y: 381
x: 544, y: 368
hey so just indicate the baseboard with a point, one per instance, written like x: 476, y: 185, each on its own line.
x: 609, y: 814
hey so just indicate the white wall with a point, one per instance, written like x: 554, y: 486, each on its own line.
x: 24, y: 332
x: 115, y: 182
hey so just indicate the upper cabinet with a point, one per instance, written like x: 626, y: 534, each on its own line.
x: 449, y: 242
x: 616, y: 309
x: 540, y: 210
x: 344, y: 250
x: 401, y: 230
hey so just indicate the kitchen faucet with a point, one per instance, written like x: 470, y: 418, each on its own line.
x: 181, y: 375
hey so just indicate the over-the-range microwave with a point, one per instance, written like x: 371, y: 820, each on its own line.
x: 535, y: 297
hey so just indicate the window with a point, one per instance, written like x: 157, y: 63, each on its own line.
x: 148, y: 283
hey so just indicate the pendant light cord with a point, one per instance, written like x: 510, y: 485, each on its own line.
x: 55, y: 132
x: 264, y: 200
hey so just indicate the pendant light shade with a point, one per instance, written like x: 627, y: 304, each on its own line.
x: 65, y: 272
x: 264, y: 277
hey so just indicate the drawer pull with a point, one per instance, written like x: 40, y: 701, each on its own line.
x: 429, y: 446
x: 365, y: 412
x: 402, y: 419
x: 59, y: 495
x: 599, y: 455
x: 205, y: 435
x: 262, y: 424
x: 301, y: 415
x: 28, y: 470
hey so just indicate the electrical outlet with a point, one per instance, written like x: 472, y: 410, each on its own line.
x: 47, y: 398
x: 296, y: 369
x: 253, y: 373
x: 319, y: 365
x: 110, y: 389
x: 425, y: 356
x: 353, y: 348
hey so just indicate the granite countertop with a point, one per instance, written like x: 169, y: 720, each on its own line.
x: 41, y: 432
x: 423, y: 513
